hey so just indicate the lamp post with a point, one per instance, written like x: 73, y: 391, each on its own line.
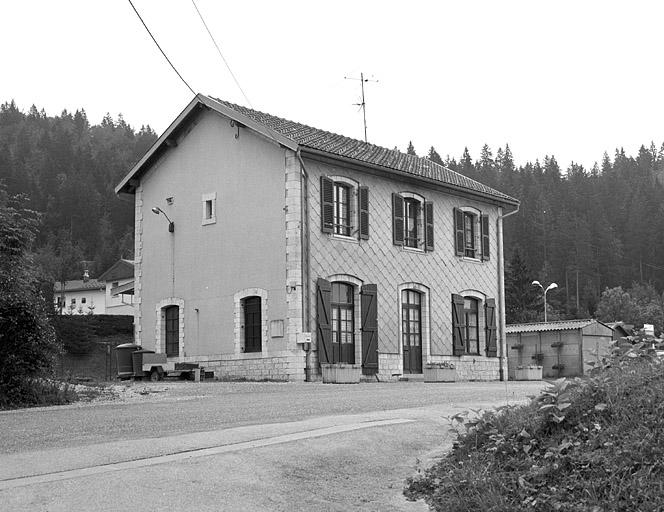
x: 171, y: 225
x: 550, y: 287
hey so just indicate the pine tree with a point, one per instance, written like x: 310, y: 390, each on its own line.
x: 521, y: 297
x: 411, y: 149
x: 434, y: 156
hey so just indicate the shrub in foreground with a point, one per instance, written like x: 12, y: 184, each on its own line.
x: 592, y: 444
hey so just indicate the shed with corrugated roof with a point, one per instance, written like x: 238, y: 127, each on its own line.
x: 563, y: 348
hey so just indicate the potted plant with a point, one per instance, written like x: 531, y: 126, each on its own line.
x: 341, y: 373
x: 530, y: 372
x: 443, y: 371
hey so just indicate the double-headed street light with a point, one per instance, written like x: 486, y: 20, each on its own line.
x: 550, y: 287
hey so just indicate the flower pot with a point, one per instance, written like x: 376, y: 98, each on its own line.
x: 434, y: 374
x: 531, y: 373
x: 341, y: 373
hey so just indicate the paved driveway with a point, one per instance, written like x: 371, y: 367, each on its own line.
x: 235, y: 446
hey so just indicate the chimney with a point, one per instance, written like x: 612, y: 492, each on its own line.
x: 86, y: 276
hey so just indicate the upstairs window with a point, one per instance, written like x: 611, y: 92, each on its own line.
x: 342, y: 225
x: 471, y: 234
x: 412, y: 221
x: 344, y: 207
x: 209, y: 208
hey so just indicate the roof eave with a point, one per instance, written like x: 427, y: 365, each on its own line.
x: 457, y: 190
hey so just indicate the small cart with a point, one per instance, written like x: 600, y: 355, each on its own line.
x: 136, y: 363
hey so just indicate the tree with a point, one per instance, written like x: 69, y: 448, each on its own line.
x: 521, y: 297
x: 27, y: 340
x: 411, y: 149
x: 434, y: 156
x: 616, y: 305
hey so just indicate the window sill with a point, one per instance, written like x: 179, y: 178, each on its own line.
x: 412, y: 249
x: 344, y: 238
x: 470, y: 260
x: 205, y: 222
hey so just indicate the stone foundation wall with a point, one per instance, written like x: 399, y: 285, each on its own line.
x: 473, y: 367
x: 286, y: 366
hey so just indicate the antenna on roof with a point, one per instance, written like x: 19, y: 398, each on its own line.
x: 362, y: 105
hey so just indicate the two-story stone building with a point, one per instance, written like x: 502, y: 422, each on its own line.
x: 276, y: 233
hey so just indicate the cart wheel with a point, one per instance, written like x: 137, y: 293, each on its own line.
x: 155, y: 376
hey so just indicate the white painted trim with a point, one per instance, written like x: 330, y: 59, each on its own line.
x: 160, y: 327
x: 238, y: 330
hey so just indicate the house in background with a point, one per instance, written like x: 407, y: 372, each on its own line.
x: 562, y: 348
x: 259, y: 238
x: 110, y: 294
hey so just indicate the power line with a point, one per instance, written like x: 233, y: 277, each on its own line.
x: 162, y: 51
x: 221, y: 54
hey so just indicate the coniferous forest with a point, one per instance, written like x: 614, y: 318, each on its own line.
x: 585, y: 229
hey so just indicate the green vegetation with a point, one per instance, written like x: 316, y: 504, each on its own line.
x: 586, y: 445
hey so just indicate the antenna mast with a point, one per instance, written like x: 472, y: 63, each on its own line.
x: 362, y: 105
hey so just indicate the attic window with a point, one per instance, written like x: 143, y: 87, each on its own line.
x: 209, y: 208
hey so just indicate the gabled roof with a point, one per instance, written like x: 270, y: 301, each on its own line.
x: 78, y: 285
x: 296, y: 136
x: 121, y: 269
x: 558, y: 325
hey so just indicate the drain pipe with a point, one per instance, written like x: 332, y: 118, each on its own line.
x: 304, y: 251
x: 501, y: 292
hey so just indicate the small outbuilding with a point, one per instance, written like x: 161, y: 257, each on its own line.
x: 562, y: 348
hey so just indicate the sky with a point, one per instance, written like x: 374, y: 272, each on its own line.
x: 571, y: 79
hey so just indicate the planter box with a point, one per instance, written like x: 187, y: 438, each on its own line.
x: 528, y: 374
x: 341, y: 373
x: 439, y: 374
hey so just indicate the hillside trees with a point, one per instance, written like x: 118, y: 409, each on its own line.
x: 68, y: 169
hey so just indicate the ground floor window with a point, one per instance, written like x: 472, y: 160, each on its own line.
x: 471, y: 325
x: 343, y: 322
x: 253, y: 325
x: 172, y: 333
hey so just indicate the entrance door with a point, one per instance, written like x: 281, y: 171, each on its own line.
x: 172, y: 317
x: 343, y: 325
x: 252, y: 324
x: 411, y: 327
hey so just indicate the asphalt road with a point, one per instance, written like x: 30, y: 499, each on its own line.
x: 236, y: 446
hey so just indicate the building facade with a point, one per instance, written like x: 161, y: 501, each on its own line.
x: 266, y: 247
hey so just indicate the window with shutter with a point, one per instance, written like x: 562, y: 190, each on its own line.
x: 326, y: 204
x: 428, y: 225
x: 459, y: 247
x: 397, y: 219
x: 364, y: 212
x: 458, y: 342
x: 484, y: 228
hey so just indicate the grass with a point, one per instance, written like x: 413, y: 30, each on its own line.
x: 36, y: 393
x: 587, y: 445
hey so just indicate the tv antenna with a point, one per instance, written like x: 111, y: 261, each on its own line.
x: 362, y: 105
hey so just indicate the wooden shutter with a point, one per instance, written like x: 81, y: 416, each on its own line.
x: 397, y: 219
x: 324, y: 320
x: 484, y: 230
x: 458, y: 232
x: 326, y: 204
x: 458, y: 324
x: 363, y: 199
x: 490, y: 323
x: 428, y: 226
x: 369, y: 301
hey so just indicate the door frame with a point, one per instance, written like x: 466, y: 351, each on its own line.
x: 425, y: 322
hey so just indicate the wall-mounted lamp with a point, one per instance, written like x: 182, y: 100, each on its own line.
x: 171, y: 225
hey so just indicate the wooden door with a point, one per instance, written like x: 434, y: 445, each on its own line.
x: 252, y: 324
x: 411, y: 328
x: 172, y: 320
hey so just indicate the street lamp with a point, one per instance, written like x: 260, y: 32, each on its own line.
x: 171, y: 225
x: 550, y: 287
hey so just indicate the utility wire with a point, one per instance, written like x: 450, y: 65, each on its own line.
x: 162, y: 51
x: 221, y: 54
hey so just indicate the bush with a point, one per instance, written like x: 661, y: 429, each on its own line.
x: 588, y: 444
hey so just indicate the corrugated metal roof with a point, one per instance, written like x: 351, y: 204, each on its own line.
x: 558, y: 325
x: 341, y: 146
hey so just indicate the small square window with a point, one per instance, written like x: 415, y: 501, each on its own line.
x: 209, y: 208
x: 83, y: 300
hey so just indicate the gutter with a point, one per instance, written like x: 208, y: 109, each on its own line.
x: 306, y: 263
x: 501, y: 293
